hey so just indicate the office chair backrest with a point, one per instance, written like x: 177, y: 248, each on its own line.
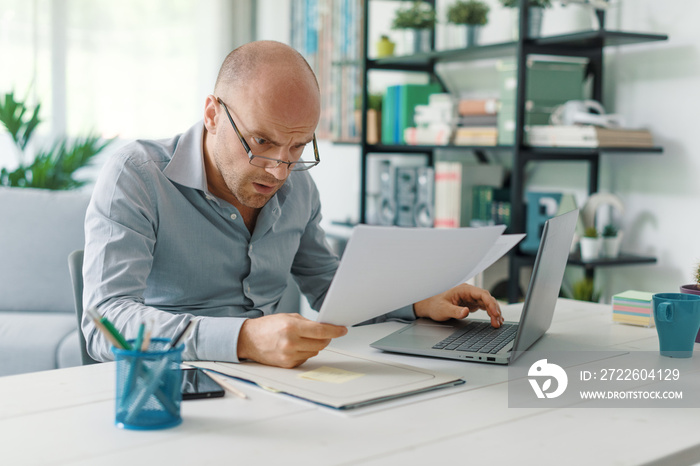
x: 75, y: 265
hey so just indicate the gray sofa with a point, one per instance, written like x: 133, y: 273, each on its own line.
x: 38, y: 326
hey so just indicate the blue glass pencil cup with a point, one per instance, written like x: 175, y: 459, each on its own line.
x: 148, y: 386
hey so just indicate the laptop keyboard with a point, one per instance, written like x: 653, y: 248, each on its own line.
x: 479, y: 337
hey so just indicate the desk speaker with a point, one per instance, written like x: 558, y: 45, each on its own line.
x: 387, y: 210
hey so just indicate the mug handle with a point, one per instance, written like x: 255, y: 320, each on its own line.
x: 664, y: 312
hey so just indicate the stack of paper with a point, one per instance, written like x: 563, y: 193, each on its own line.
x: 633, y: 307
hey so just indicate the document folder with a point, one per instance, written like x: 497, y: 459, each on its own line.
x: 338, y: 379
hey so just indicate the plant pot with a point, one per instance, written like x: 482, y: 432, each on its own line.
x: 692, y: 289
x: 473, y: 31
x: 534, y: 22
x: 590, y: 248
x: 417, y: 41
x: 385, y: 48
x: 611, y: 246
x: 534, y: 26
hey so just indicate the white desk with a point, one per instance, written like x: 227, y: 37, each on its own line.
x: 67, y: 417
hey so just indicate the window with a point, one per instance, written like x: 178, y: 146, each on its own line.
x: 130, y: 68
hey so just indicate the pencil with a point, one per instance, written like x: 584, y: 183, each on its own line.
x: 225, y: 384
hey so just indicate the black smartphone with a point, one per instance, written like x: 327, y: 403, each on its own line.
x: 197, y: 384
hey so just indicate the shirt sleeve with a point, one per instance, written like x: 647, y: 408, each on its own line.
x: 121, y: 226
x: 315, y: 262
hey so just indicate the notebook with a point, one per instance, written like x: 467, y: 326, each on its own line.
x: 474, y: 339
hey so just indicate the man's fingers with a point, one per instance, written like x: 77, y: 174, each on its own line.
x: 319, y: 331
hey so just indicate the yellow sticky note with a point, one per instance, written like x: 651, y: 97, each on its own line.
x: 330, y: 375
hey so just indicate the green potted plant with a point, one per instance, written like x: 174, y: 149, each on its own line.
x: 472, y: 13
x: 52, y: 167
x: 385, y: 47
x: 590, y: 244
x: 694, y: 288
x: 535, y: 14
x: 612, y: 238
x: 418, y: 20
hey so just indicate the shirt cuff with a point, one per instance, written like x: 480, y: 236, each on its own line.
x: 217, y: 338
x: 404, y: 314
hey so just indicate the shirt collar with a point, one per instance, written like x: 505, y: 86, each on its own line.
x: 186, y: 167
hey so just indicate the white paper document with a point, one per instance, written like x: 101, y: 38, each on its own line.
x: 386, y: 268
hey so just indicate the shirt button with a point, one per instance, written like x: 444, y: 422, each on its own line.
x: 209, y: 198
x: 250, y: 248
x: 234, y: 216
x: 248, y: 288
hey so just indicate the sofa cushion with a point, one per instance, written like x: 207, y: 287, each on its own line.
x: 30, y: 341
x: 69, y: 351
x: 38, y: 229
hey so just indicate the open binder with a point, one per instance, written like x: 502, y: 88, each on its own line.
x: 338, y: 379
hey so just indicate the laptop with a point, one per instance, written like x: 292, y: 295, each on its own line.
x: 475, y: 340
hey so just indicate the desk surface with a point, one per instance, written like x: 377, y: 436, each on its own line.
x: 66, y: 417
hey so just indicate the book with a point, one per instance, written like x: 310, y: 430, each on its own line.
x: 476, y: 136
x: 561, y: 136
x: 477, y: 107
x: 399, y: 107
x: 438, y: 135
x: 338, y: 379
x: 448, y: 194
x: 586, y: 136
x: 622, y: 137
x: 477, y: 120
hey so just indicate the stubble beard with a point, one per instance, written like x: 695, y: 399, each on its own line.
x: 241, y: 187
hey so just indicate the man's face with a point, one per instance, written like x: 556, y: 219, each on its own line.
x: 275, y: 126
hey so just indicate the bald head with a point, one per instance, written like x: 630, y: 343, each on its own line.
x: 248, y: 63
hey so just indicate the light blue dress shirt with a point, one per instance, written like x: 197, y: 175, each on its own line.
x: 161, y: 248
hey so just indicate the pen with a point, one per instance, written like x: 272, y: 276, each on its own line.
x: 178, y: 338
x: 108, y: 329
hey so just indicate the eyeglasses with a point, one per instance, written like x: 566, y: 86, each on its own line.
x: 268, y: 162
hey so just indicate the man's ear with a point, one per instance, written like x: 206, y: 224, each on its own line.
x: 211, y: 110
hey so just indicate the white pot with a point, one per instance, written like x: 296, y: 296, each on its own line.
x: 590, y: 248
x: 611, y: 246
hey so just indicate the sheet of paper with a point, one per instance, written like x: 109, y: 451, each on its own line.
x: 386, y: 268
x: 503, y: 244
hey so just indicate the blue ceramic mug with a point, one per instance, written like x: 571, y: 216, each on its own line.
x: 677, y: 317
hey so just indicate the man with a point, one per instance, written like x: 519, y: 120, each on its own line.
x: 209, y: 225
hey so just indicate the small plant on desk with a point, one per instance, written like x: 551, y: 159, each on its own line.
x: 693, y: 288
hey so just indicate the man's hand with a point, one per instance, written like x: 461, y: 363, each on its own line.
x: 457, y: 303
x: 284, y: 340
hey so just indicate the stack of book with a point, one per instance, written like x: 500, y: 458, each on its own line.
x: 398, y: 108
x: 633, y: 307
x: 619, y: 137
x: 477, y: 122
x: 586, y: 136
x: 448, y: 194
x: 433, y: 122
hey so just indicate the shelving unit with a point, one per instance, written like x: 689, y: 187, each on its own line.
x: 587, y: 44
